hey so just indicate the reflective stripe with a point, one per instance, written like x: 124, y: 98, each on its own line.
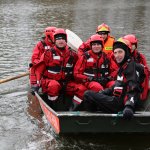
x: 90, y: 60
x: 54, y: 72
x: 120, y: 78
x: 88, y: 74
x: 69, y: 73
x: 69, y: 65
x: 52, y: 98
x: 119, y: 88
x: 132, y: 99
x: 138, y: 74
x: 108, y: 48
x: 77, y: 99
x: 56, y: 57
x: 47, y: 47
x: 102, y: 66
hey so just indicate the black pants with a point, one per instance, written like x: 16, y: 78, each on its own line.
x: 94, y: 101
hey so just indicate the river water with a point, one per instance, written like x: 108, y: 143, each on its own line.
x: 21, y: 25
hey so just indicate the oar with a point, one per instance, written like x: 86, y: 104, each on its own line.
x: 73, y: 40
x: 13, y: 78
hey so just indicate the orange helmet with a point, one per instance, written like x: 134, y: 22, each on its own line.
x: 103, y: 28
x: 49, y: 32
x: 60, y: 33
x: 132, y: 38
x: 122, y: 43
x: 97, y: 38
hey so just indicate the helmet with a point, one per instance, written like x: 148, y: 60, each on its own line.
x: 122, y: 43
x: 103, y: 28
x: 132, y: 38
x: 60, y: 32
x: 97, y: 38
x: 49, y: 31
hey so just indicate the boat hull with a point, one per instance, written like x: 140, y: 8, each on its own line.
x: 85, y: 122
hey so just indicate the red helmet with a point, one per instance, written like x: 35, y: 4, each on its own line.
x: 97, y: 38
x: 49, y: 32
x: 103, y: 28
x: 132, y: 38
x: 60, y: 32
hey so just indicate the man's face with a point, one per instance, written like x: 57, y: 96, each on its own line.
x: 60, y: 43
x: 119, y: 54
x: 96, y: 47
x: 104, y: 35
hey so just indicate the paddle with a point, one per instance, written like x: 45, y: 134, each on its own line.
x: 73, y: 40
x: 13, y: 78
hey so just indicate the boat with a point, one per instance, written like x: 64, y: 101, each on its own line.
x: 63, y: 121
x: 74, y: 122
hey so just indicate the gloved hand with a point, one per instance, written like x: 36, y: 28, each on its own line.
x: 128, y: 112
x: 103, y: 80
x: 34, y: 88
x: 30, y: 65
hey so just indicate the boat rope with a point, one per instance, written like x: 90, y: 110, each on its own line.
x: 119, y: 114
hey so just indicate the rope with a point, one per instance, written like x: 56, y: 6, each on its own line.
x: 119, y: 114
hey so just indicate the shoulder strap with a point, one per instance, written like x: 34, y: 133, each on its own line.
x: 106, y: 60
x: 71, y: 58
x: 53, y: 51
x: 87, y: 55
x: 44, y: 44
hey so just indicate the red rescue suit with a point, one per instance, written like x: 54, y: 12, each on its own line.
x: 55, y: 68
x: 108, y: 46
x: 125, y: 91
x: 139, y: 58
x: 85, y: 46
x: 38, y: 50
x: 93, y: 72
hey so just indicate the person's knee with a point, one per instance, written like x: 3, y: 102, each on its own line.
x: 86, y: 93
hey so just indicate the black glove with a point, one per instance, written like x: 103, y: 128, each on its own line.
x: 34, y: 88
x: 103, y: 80
x: 30, y: 65
x: 128, y: 112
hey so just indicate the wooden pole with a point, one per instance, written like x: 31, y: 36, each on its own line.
x: 13, y: 78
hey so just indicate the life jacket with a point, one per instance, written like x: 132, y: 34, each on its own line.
x: 119, y: 88
x: 108, y: 45
x: 93, y: 69
x: 57, y: 66
x: 142, y: 81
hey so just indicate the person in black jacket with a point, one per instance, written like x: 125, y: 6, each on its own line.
x: 125, y: 93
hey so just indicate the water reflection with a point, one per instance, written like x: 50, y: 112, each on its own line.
x: 21, y: 26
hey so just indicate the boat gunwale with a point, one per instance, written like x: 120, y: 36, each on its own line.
x: 88, y: 114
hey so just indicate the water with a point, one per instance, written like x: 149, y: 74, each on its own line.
x: 22, y: 22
